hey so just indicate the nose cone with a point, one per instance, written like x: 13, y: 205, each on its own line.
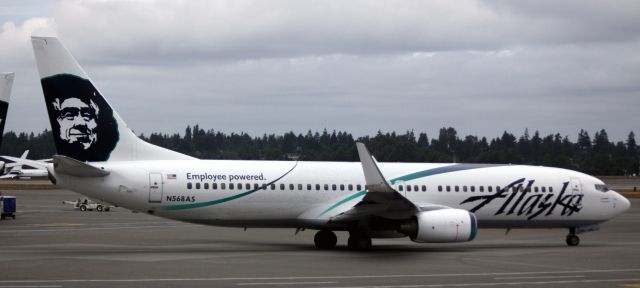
x: 623, y: 203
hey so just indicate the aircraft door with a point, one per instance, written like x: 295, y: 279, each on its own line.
x: 576, y: 186
x: 155, y: 187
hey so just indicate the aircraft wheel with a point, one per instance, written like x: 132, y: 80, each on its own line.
x: 99, y: 208
x: 325, y: 239
x: 359, y: 242
x: 573, y: 240
x: 83, y: 208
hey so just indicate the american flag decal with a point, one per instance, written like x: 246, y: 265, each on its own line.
x: 171, y: 176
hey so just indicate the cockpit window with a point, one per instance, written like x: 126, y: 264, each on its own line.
x: 602, y: 187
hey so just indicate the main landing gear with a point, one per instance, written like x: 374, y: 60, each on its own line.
x: 326, y: 239
x: 572, y: 238
x: 359, y: 241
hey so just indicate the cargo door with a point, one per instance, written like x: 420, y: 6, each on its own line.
x: 155, y: 187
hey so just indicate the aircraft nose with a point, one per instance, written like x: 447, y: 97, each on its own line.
x: 623, y: 203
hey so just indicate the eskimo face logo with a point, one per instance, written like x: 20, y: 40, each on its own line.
x: 82, y: 122
x: 77, y: 120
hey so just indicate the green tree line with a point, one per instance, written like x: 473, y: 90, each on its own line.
x: 595, y: 155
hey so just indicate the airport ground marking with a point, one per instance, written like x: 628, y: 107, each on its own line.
x: 330, y: 277
x: 283, y: 283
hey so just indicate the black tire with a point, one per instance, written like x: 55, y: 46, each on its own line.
x: 573, y: 240
x: 325, y: 239
x: 99, y: 208
x: 359, y: 242
x: 83, y: 208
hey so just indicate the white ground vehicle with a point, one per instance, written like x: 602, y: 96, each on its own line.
x: 88, y: 205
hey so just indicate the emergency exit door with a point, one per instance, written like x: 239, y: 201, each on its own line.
x: 155, y: 187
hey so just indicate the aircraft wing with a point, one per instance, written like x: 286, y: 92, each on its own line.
x: 380, y: 198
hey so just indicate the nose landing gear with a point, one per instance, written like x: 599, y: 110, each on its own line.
x: 572, y: 238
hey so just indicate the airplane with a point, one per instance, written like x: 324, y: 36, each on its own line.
x: 6, y: 83
x: 100, y: 157
x: 17, y: 172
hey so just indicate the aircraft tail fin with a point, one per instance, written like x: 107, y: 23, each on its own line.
x: 6, y: 82
x: 85, y: 127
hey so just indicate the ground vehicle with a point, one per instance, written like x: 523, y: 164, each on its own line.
x: 7, y: 207
x: 87, y: 204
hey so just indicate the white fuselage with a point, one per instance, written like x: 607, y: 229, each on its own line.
x: 307, y: 194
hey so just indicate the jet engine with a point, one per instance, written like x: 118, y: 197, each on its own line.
x: 440, y: 226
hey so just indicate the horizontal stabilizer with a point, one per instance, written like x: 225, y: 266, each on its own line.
x: 67, y: 165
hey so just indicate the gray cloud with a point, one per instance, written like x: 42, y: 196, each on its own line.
x: 360, y: 66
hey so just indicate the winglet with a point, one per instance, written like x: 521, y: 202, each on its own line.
x: 67, y: 165
x: 375, y: 182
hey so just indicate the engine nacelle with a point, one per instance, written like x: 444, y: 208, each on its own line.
x: 440, y: 226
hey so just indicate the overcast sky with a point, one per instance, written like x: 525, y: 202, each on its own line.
x: 482, y: 67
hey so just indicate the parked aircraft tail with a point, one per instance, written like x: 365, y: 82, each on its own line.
x: 85, y: 127
x: 6, y: 82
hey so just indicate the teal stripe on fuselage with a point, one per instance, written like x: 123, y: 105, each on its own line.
x: 416, y: 175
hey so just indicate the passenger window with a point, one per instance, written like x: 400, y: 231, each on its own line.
x: 318, y: 187
x: 424, y: 188
x: 358, y: 187
x: 497, y: 188
x: 273, y: 186
x: 189, y: 185
x: 197, y: 185
x: 255, y: 186
x: 341, y: 187
x: 490, y: 188
x: 439, y: 188
x: 408, y: 188
x: 206, y: 185
x: 544, y: 189
x: 214, y: 186
x: 448, y: 188
x: 223, y: 186
x: 535, y: 189
x: 473, y: 188
x: 550, y: 189
x: 334, y: 187
x: 481, y: 189
x: 464, y: 188
x: 264, y: 186
x: 291, y: 187
x: 248, y: 186
x: 231, y: 186
x: 350, y: 187
x: 457, y: 188
x: 309, y: 187
x: 326, y: 187
x: 300, y: 187
x: 282, y: 186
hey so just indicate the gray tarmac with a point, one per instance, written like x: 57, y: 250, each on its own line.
x: 52, y: 245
